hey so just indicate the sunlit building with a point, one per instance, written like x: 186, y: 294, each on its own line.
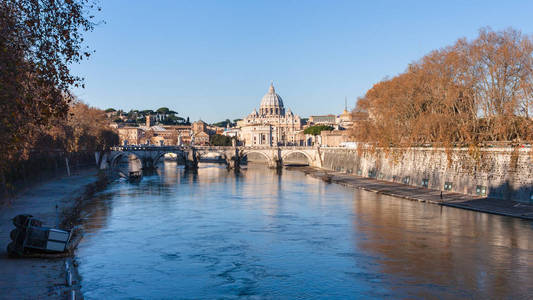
x: 272, y: 125
x: 323, y: 120
x: 130, y: 135
x: 200, y: 138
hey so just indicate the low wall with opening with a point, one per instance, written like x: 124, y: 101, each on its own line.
x: 255, y: 157
x: 296, y: 159
x: 501, y: 173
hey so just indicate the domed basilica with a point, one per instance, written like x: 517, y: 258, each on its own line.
x: 272, y: 125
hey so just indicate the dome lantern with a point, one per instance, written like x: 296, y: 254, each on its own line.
x: 272, y: 104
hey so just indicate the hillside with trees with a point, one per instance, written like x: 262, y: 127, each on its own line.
x: 135, y: 117
x: 226, y: 123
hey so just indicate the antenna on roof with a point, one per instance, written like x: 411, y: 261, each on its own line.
x: 345, y: 103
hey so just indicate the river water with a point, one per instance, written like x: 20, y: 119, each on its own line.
x: 265, y: 235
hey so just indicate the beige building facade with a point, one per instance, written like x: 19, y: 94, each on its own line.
x: 342, y: 121
x: 334, y: 138
x: 130, y: 135
x: 201, y: 138
x: 272, y: 125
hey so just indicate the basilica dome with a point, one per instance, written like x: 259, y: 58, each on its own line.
x: 271, y: 104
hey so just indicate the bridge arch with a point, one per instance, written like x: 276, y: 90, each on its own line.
x: 117, y: 157
x: 204, y: 154
x: 161, y: 154
x: 268, y: 158
x: 115, y: 160
x: 286, y: 154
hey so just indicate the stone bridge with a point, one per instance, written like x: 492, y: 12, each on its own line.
x: 150, y: 156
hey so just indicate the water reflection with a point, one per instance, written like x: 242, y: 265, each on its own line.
x: 96, y: 212
x: 458, y: 253
x: 129, y: 166
x: 217, y: 234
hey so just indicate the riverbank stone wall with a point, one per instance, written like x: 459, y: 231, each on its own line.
x: 500, y: 173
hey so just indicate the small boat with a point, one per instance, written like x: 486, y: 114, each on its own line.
x: 30, y: 237
x: 134, y: 175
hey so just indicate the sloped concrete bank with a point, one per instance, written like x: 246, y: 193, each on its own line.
x: 56, y: 202
x: 482, y: 204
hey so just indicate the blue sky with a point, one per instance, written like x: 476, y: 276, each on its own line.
x: 215, y: 59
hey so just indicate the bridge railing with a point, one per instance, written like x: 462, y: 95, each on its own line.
x: 140, y: 148
x: 177, y: 148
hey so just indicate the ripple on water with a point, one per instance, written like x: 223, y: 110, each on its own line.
x: 171, y: 256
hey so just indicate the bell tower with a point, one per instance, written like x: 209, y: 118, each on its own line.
x: 148, y: 121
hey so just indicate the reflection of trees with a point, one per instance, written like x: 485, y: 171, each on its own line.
x: 99, y: 210
x: 425, y: 244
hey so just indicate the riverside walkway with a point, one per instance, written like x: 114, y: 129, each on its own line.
x: 482, y: 204
x: 30, y: 278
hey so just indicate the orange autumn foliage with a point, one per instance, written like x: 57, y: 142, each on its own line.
x: 470, y: 93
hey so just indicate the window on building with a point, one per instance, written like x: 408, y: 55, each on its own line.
x: 481, y: 190
x: 425, y: 182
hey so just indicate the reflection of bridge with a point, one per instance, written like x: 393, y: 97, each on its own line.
x: 190, y: 155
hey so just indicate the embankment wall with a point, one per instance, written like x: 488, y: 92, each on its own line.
x: 501, y: 173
